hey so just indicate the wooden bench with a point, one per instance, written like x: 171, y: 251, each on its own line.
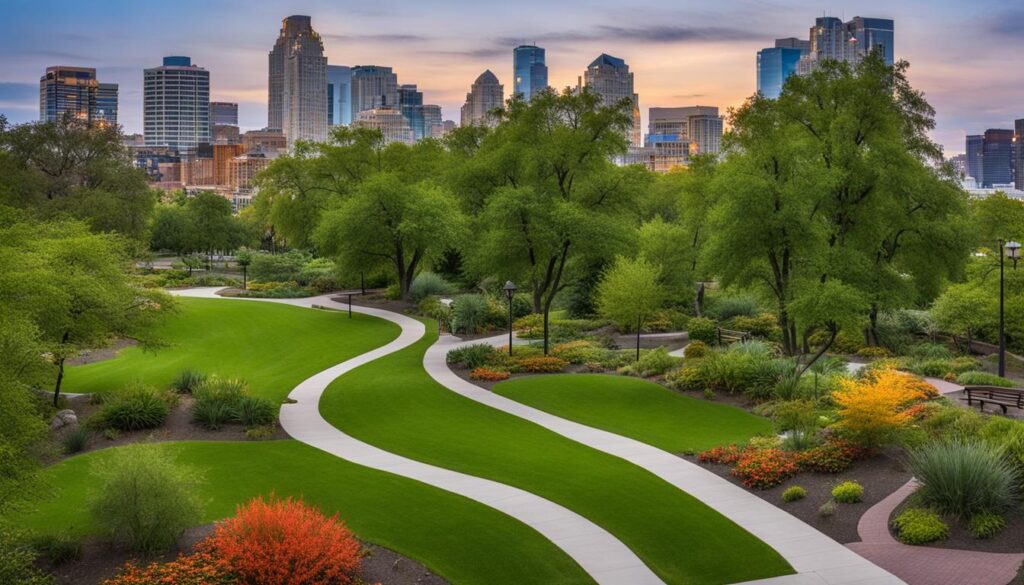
x: 1002, y: 397
x: 726, y: 336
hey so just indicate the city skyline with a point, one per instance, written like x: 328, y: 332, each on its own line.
x: 681, y: 55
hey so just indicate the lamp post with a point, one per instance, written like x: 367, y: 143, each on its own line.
x: 510, y: 293
x: 1011, y: 249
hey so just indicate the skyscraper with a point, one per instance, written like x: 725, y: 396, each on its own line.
x: 75, y: 91
x: 776, y: 64
x: 339, y: 95
x: 298, y: 82
x: 486, y: 95
x: 611, y: 79
x: 833, y: 39
x: 1018, y: 149
x: 432, y: 120
x: 176, y: 105
x: 410, y: 101
x: 700, y: 126
x: 373, y: 87
x: 389, y: 121
x: 529, y: 72
x: 975, y: 145
x: 997, y: 158
x: 224, y: 113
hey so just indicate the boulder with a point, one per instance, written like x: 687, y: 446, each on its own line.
x: 63, y: 418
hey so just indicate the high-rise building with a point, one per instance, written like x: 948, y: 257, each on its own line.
x: 373, y: 87
x: 1018, y: 148
x: 431, y: 119
x: 410, y: 102
x: 776, y: 64
x: 706, y: 133
x: 833, y: 39
x: 530, y: 73
x: 298, y: 82
x: 700, y: 127
x: 75, y: 91
x: 611, y: 79
x: 176, y: 105
x: 339, y: 95
x: 224, y: 113
x: 975, y: 145
x: 996, y: 158
x: 268, y: 142
x: 959, y: 163
x: 389, y: 121
x: 486, y: 95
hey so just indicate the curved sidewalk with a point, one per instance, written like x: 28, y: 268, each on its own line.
x: 922, y: 565
x: 599, y: 553
x: 817, y: 559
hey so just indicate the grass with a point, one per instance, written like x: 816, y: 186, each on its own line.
x: 638, y: 409
x: 394, y: 404
x: 272, y: 346
x: 457, y: 538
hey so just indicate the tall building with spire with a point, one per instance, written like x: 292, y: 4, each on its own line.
x: 297, y: 82
x: 610, y: 78
x: 486, y: 95
x: 529, y: 71
x: 176, y: 105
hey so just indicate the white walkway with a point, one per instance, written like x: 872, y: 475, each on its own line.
x: 818, y: 559
x: 599, y: 553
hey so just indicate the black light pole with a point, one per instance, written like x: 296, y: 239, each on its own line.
x: 510, y: 292
x: 1010, y: 249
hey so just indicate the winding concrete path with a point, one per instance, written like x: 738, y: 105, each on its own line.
x: 818, y: 559
x: 607, y: 560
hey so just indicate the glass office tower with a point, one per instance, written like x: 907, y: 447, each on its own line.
x: 774, y: 66
x: 997, y: 158
x: 410, y: 101
x: 68, y: 91
x: 339, y: 95
x: 529, y: 71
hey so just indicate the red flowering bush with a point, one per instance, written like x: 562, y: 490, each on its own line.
x: 488, y: 375
x: 724, y: 454
x: 286, y: 542
x: 833, y: 456
x: 765, y: 468
x: 542, y: 365
x: 200, y: 568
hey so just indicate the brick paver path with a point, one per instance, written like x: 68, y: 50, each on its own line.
x: 920, y: 565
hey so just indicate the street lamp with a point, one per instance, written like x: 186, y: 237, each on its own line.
x: 510, y: 292
x: 1012, y: 250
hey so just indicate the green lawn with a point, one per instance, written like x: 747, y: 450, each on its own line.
x: 638, y: 409
x: 461, y: 540
x: 394, y: 404
x: 270, y: 345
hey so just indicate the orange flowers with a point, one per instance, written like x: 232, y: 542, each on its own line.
x: 488, y: 375
x: 873, y: 409
x: 200, y: 568
x: 542, y: 365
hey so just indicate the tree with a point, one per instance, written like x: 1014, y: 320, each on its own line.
x: 75, y: 287
x: 630, y: 292
x: 997, y: 217
x: 665, y: 245
x: 172, y: 229
x: 244, y: 258
x: 387, y: 221
x: 550, y: 199
x: 214, y: 227
x: 964, y: 309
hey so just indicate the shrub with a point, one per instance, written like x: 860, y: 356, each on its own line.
x: 848, y: 492
x: 941, y: 368
x: 793, y: 494
x: 58, y: 548
x: 219, y: 401
x: 133, y: 408
x: 986, y: 525
x: 199, y: 568
x: 580, y: 351
x: 429, y: 284
x: 873, y: 410
x: 873, y: 352
x: 800, y: 419
x: 765, y: 468
x: 651, y: 363
x: 469, y: 312
x: 723, y: 308
x: 667, y: 320
x: 471, y: 356
x: 267, y: 267
x: 542, y: 365
x: 827, y: 509
x: 486, y: 374
x: 253, y: 411
x: 286, y: 542
x: 963, y: 478
x: 143, y: 499
x: 832, y: 456
x: 983, y: 379
x: 18, y: 559
x: 111, y: 434
x: 724, y: 454
x: 702, y: 329
x: 187, y: 381
x: 745, y: 367
x: 765, y: 325
x: 696, y: 349
x: 318, y: 273
x: 75, y: 440
x: 212, y: 414
x: 919, y: 526
x: 260, y: 433
x: 930, y: 351
x: 529, y: 326
x: 688, y: 377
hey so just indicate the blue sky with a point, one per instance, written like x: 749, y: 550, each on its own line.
x: 968, y: 58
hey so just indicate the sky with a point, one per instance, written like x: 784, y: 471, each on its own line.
x: 967, y: 57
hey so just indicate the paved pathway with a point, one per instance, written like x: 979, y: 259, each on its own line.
x: 597, y: 551
x: 919, y: 565
x: 817, y: 558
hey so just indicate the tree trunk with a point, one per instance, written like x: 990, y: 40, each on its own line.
x: 60, y: 378
x: 538, y: 300
x: 821, y: 352
x: 639, y: 323
x: 546, y: 311
x: 872, y: 333
x: 698, y: 301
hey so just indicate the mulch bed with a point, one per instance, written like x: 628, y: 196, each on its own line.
x: 880, y: 476
x: 1010, y: 540
x: 101, y: 561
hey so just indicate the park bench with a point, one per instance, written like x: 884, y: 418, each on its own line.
x: 727, y: 336
x: 1003, y: 397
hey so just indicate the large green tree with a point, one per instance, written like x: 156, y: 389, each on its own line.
x: 630, y: 292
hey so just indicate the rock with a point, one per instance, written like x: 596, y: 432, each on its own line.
x: 63, y: 419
